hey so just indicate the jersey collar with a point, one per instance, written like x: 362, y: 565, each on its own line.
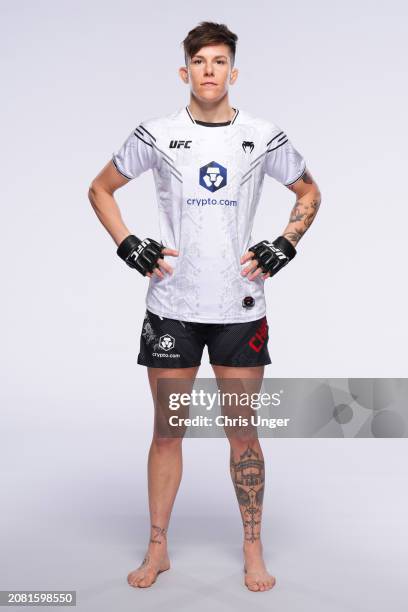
x: 192, y: 120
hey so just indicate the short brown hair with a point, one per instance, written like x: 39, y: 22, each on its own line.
x: 209, y: 33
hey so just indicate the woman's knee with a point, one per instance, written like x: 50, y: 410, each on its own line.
x: 240, y: 442
x: 166, y: 444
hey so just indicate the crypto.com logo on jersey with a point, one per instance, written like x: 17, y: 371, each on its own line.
x: 213, y: 176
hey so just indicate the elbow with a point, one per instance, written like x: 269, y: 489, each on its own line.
x: 92, y: 192
x: 317, y: 194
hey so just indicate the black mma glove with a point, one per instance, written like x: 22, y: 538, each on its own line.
x: 140, y: 254
x: 272, y: 256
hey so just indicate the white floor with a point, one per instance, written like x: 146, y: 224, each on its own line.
x: 335, y: 530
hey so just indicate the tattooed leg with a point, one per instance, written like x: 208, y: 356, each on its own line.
x: 158, y: 534
x: 156, y: 559
x: 164, y: 476
x: 247, y: 469
x: 248, y: 477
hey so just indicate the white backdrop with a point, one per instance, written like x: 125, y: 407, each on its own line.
x: 77, y: 77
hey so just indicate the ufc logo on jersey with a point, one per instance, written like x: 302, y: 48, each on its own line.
x: 178, y: 144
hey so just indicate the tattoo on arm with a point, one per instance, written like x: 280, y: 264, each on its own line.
x: 248, y: 477
x: 293, y: 236
x: 302, y: 217
x: 296, y: 214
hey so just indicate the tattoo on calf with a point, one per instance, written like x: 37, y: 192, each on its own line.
x: 248, y: 477
x: 157, y: 532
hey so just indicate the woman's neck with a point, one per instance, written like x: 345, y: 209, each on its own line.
x: 211, y: 112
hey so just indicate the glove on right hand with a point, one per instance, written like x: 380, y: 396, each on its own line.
x: 140, y: 254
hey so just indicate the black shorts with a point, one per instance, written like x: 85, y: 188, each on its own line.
x: 170, y: 343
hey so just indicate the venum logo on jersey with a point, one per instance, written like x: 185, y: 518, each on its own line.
x: 248, y: 145
x: 213, y: 176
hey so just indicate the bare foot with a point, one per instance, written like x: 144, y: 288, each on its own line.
x: 257, y: 577
x: 146, y: 574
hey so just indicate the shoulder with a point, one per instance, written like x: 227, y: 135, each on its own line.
x: 266, y: 128
x: 152, y: 129
x: 157, y: 124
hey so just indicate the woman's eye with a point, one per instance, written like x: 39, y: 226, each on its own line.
x: 198, y: 61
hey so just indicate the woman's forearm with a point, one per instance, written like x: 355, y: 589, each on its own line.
x: 108, y: 213
x: 302, y: 216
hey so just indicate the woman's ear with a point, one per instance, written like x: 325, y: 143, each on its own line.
x: 233, y: 75
x: 183, y: 72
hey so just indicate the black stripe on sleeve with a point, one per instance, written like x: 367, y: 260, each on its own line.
x: 268, y: 143
x: 147, y: 132
x: 277, y: 147
x: 145, y: 141
x: 120, y: 171
x: 296, y: 179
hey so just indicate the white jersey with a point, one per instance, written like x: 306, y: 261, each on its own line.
x: 208, y: 180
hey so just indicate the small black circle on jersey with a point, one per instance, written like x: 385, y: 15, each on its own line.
x: 248, y: 301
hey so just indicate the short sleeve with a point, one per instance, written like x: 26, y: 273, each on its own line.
x: 282, y: 161
x: 136, y: 155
